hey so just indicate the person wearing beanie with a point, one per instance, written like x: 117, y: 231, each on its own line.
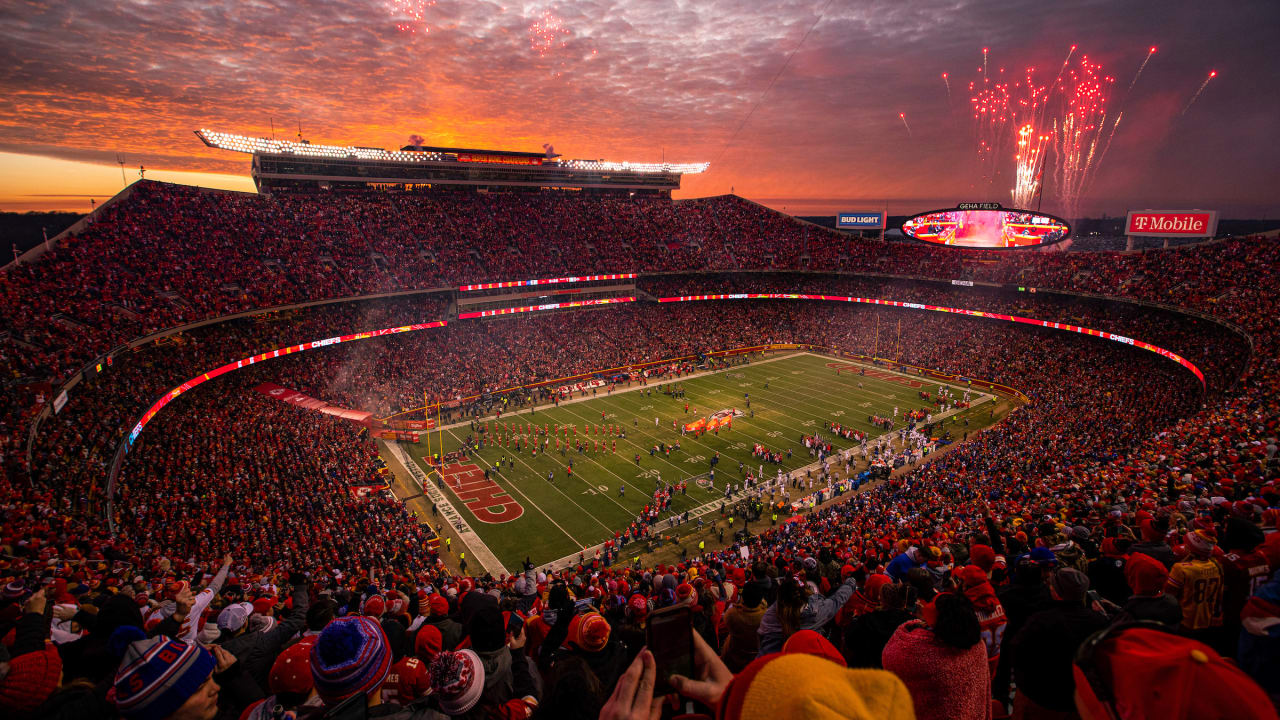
x: 350, y: 657
x: 257, y: 650
x: 1244, y: 566
x: 1025, y: 595
x: 977, y: 587
x: 631, y: 629
x: 374, y: 607
x: 1149, y: 672
x: 1153, y: 543
x: 942, y: 660
x: 740, y: 626
x: 809, y: 641
x: 1259, y: 640
x: 450, y: 629
x: 290, y: 683
x: 32, y: 679
x: 866, y: 635
x: 91, y: 657
x: 1044, y: 648
x: 1147, y: 578
x: 591, y: 638
x: 34, y: 667
x: 1107, y: 571
x: 428, y: 642
x: 457, y: 681
x: 1196, y: 583
x: 163, y: 678
x: 802, y: 685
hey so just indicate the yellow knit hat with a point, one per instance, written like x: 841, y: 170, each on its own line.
x: 799, y: 685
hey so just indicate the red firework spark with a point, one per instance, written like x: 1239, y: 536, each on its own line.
x: 411, y: 14
x: 547, y: 33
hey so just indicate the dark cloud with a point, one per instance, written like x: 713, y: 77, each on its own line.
x: 82, y: 80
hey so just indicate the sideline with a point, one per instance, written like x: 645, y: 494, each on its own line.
x: 469, y: 537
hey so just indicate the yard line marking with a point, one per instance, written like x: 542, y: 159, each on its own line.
x: 535, y: 474
x: 532, y: 503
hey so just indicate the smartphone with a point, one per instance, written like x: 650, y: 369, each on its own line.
x: 670, y: 639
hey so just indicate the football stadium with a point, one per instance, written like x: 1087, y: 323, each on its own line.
x: 297, y: 426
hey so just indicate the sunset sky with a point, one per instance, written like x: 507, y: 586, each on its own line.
x: 84, y: 82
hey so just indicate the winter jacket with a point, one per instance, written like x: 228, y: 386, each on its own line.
x: 816, y: 613
x: 945, y: 683
x: 1043, y: 651
x: 866, y: 636
x: 256, y: 651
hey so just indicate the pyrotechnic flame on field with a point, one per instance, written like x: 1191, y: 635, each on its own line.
x: 903, y: 116
x: 547, y: 32
x: 410, y: 14
x: 1203, y: 85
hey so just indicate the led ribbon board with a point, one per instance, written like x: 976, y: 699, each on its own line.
x: 956, y: 311
x: 261, y: 357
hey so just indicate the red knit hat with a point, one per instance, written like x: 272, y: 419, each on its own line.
x: 428, y: 643
x: 638, y: 607
x: 375, y: 606
x: 291, y: 672
x: 263, y: 605
x: 589, y: 632
x: 438, y: 605
x: 984, y: 556
x: 1200, y: 543
x: 685, y: 591
x: 1145, y: 574
x: 32, y: 678
x: 971, y: 576
x: 808, y: 641
x: 1145, y: 673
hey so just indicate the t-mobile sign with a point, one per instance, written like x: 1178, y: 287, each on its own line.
x: 1172, y: 223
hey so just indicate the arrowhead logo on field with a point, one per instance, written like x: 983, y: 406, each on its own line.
x: 488, y: 502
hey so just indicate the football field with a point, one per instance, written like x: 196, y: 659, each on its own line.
x: 518, y: 511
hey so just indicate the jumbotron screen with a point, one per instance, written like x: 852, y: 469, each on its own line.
x: 986, y: 228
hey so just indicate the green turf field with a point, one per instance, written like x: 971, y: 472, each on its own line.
x: 562, y: 517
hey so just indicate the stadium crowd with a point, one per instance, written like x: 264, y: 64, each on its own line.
x: 1118, y: 494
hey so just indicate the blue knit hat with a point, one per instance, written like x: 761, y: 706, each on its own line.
x: 352, y: 655
x: 158, y: 675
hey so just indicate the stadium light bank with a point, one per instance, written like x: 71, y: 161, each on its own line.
x: 268, y: 146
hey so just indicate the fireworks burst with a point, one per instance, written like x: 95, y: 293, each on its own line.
x: 903, y: 116
x: 547, y: 32
x: 1212, y: 74
x: 1028, y: 165
x: 410, y: 15
x: 947, y: 81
